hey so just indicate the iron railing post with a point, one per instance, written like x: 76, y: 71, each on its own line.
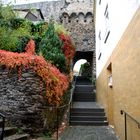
x: 125, y: 126
x: 125, y: 119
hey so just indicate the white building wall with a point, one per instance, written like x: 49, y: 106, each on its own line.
x: 114, y: 18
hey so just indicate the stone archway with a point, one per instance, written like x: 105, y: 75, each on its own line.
x: 87, y: 55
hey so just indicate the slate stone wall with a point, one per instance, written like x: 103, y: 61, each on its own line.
x: 22, y: 101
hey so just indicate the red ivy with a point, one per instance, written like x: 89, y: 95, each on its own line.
x: 56, y: 82
x: 68, y: 48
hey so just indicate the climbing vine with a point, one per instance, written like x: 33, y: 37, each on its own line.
x: 68, y: 48
x: 56, y: 83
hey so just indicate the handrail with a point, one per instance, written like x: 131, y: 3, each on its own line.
x: 69, y: 104
x: 126, y: 114
x: 2, y: 126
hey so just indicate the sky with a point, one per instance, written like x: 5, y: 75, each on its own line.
x: 23, y: 1
x: 78, y: 64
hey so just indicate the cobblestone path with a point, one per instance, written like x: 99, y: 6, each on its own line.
x: 89, y: 133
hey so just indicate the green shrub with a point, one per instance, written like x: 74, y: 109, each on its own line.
x: 12, y: 29
x: 51, y: 48
x: 84, y: 69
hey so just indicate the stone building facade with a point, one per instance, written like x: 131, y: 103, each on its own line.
x: 78, y: 19
x: 48, y: 8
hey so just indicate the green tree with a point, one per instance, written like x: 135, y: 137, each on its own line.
x: 12, y: 29
x: 51, y: 48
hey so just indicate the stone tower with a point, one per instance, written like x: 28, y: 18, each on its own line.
x: 77, y: 18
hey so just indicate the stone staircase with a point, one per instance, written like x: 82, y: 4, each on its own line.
x: 11, y: 133
x: 85, y: 111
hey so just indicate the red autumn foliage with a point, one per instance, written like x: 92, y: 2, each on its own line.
x: 56, y: 82
x: 30, y: 47
x: 68, y: 48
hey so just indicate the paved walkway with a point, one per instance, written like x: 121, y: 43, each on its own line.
x: 88, y: 133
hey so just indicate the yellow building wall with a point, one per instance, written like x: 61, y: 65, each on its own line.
x: 125, y: 93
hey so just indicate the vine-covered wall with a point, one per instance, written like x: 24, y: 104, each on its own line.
x: 21, y: 100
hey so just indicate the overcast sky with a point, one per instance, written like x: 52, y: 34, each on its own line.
x: 23, y: 1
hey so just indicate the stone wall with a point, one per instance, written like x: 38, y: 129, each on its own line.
x: 76, y: 15
x: 22, y: 101
x: 77, y: 18
x: 82, y: 34
x: 48, y: 8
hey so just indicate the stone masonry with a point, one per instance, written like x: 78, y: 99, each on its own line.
x: 22, y: 101
x: 77, y: 18
x: 48, y: 8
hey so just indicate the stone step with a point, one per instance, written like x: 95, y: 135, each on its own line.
x: 17, y: 137
x: 9, y: 131
x: 88, y: 118
x: 82, y: 97
x: 89, y: 123
x: 80, y: 80
x: 88, y: 78
x: 83, y: 82
x: 87, y: 114
x: 84, y: 88
x: 87, y: 110
x: 1, y: 121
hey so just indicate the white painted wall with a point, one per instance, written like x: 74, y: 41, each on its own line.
x: 120, y: 15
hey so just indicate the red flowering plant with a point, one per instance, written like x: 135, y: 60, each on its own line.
x: 56, y: 82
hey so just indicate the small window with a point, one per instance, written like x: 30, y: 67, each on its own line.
x: 99, y: 1
x: 107, y: 36
x: 106, y: 10
x: 100, y: 54
x: 99, y: 35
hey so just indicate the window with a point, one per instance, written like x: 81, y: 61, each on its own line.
x: 107, y: 28
x: 99, y: 1
x: 99, y: 36
x: 107, y: 37
x: 100, y: 54
x: 106, y: 10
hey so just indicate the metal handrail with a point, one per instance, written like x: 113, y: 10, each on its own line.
x: 69, y: 105
x: 126, y: 114
x: 2, y: 126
